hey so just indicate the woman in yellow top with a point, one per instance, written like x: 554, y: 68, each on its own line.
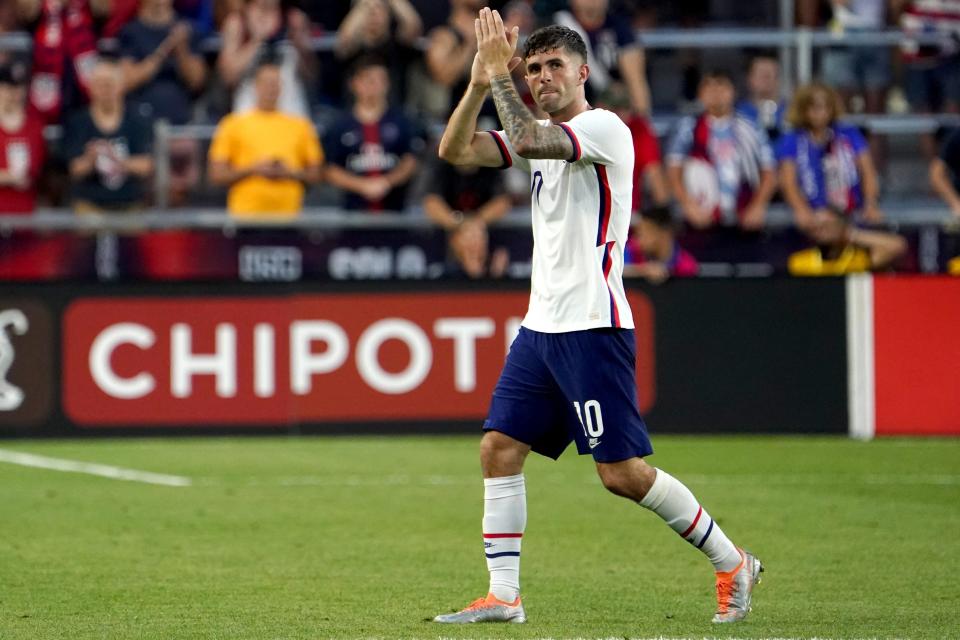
x: 264, y: 156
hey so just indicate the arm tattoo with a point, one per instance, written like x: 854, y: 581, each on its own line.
x: 524, y: 132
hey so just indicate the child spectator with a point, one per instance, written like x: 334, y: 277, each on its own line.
x: 720, y: 165
x: 265, y: 156
x: 372, y: 148
x: 653, y: 252
x: 108, y: 147
x: 825, y: 164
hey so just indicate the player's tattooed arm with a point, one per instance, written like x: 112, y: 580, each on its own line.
x: 528, y: 137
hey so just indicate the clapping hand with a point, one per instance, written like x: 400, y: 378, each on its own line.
x: 495, y: 46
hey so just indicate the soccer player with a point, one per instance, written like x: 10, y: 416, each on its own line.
x: 570, y: 372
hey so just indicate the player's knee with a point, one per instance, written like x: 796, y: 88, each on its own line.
x: 615, y: 480
x: 629, y: 479
x: 500, y: 455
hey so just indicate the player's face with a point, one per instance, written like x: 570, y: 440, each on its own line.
x: 554, y: 78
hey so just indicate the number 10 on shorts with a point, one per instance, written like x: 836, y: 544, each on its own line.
x: 590, y: 418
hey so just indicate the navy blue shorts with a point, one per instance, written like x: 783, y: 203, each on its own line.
x: 581, y: 385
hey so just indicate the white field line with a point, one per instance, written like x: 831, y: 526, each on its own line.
x: 93, y: 469
x: 947, y: 480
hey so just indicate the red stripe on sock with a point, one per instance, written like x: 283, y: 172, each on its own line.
x: 503, y: 535
x: 695, y: 521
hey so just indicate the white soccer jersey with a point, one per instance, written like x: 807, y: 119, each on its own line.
x: 581, y: 218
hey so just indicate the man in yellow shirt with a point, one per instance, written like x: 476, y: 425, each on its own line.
x: 264, y: 156
x: 842, y: 248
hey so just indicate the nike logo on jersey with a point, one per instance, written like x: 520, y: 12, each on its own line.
x: 593, y: 442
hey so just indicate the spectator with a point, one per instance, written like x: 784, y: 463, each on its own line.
x: 825, y: 164
x: 451, y: 49
x: 931, y: 72
x: 64, y: 52
x: 163, y: 70
x: 653, y: 252
x: 265, y: 156
x: 470, y: 255
x: 107, y: 147
x: 613, y: 52
x: 21, y: 143
x: 843, y: 248
x: 465, y: 201
x: 371, y: 149
x: 647, y: 167
x: 452, y: 194
x: 763, y: 104
x: 855, y: 71
x: 161, y: 63
x: 720, y: 165
x: 387, y: 29
x: 261, y: 30
x: 945, y: 173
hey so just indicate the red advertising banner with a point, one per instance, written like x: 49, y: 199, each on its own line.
x: 304, y: 358
x: 917, y: 355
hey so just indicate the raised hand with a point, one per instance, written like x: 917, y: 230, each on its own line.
x: 495, y: 46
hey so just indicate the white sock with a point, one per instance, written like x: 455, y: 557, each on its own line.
x: 672, y: 501
x: 504, y: 519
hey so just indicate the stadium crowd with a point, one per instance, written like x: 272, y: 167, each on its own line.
x: 353, y: 123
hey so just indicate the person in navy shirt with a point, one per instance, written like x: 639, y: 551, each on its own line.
x: 371, y: 149
x: 613, y: 52
x: 825, y: 164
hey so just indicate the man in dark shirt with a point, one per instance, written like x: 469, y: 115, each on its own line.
x: 161, y: 63
x: 463, y: 201
x: 371, y: 149
x: 945, y: 173
x: 107, y: 147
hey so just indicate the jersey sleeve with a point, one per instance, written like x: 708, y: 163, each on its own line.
x: 598, y: 136
x: 510, y: 157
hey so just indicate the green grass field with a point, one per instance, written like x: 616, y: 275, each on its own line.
x: 369, y: 537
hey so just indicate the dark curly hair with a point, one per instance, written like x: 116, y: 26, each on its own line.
x: 554, y: 37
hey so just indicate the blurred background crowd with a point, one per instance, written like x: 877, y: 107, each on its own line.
x: 812, y: 137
